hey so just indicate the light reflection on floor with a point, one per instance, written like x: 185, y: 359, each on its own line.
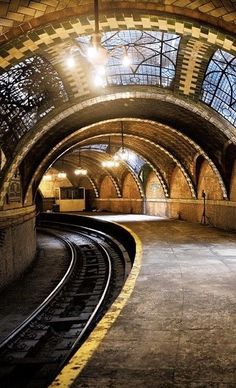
x: 125, y: 217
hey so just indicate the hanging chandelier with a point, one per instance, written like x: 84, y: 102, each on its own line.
x: 79, y: 170
x: 112, y: 162
x: 96, y: 54
x: 47, y: 177
x: 62, y: 175
x: 122, y: 154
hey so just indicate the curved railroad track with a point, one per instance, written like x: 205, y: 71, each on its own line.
x: 34, y: 353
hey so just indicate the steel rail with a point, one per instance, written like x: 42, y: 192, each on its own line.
x: 47, y: 300
x: 107, y: 249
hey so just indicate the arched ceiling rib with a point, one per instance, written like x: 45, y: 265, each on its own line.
x: 200, y: 130
x: 136, y: 133
x: 188, y: 123
x: 14, y: 14
x: 175, y: 110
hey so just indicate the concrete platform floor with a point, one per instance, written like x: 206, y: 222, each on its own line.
x: 178, y: 328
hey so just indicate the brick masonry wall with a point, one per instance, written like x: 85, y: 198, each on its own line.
x: 209, y: 183
x: 221, y: 214
x: 107, y: 189
x: 130, y: 189
x: 17, y: 249
x: 178, y: 186
x: 120, y: 205
x: 153, y: 187
x: 156, y: 208
x: 51, y: 188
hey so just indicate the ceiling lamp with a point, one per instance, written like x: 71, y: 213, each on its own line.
x: 79, y: 170
x: 62, y: 175
x: 96, y: 54
x: 47, y: 177
x: 122, y: 154
x: 112, y: 162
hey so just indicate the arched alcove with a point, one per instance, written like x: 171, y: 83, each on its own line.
x: 179, y: 187
x: 107, y: 189
x: 154, y: 188
x: 130, y: 195
x: 154, y: 193
x: 209, y: 183
x: 107, y: 195
x: 130, y: 189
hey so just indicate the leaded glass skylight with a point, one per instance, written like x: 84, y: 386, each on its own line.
x: 219, y: 86
x: 134, y: 161
x: 95, y: 147
x: 29, y: 90
x: 152, y: 56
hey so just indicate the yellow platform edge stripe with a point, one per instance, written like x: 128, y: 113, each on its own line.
x: 76, y: 364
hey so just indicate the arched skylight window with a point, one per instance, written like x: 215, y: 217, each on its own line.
x: 134, y: 161
x: 29, y: 90
x: 152, y: 57
x: 95, y: 147
x: 219, y: 86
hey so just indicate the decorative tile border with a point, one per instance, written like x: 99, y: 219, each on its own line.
x: 40, y: 39
x: 14, y: 13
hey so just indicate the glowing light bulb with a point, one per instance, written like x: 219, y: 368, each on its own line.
x: 116, y: 157
x: 123, y: 154
x: 70, y: 62
x: 80, y: 171
x: 126, y: 62
x: 99, y: 80
x: 101, y: 70
x: 47, y: 177
x: 110, y: 164
x: 92, y: 53
x: 62, y: 175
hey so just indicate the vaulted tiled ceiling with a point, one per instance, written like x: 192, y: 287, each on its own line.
x: 15, y: 12
x: 179, y: 128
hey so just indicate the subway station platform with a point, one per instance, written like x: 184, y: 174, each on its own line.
x: 174, y: 325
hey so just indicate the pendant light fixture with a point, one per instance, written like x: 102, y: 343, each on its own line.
x: 122, y: 154
x: 96, y: 53
x: 79, y: 170
x: 62, y: 174
x: 47, y: 177
x: 111, y: 163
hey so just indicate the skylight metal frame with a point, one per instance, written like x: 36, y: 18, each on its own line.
x: 219, y: 85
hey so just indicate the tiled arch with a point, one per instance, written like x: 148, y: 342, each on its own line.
x: 21, y: 15
x: 38, y: 39
x: 48, y: 40
x: 36, y: 135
